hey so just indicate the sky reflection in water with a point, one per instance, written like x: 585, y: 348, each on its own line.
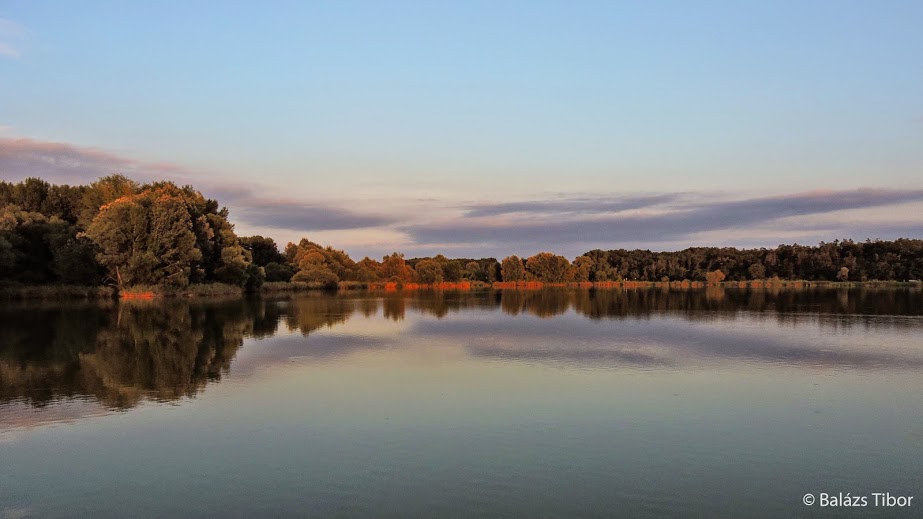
x: 557, y: 403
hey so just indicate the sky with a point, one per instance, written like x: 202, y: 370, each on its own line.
x: 485, y: 128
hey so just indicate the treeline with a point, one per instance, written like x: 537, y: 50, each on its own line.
x: 846, y: 260
x: 118, y: 232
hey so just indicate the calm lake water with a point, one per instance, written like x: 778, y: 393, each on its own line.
x: 549, y: 403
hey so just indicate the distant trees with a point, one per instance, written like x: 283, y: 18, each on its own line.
x: 266, y: 256
x: 512, y: 269
x: 898, y: 260
x: 581, y: 269
x: 160, y: 233
x: 394, y: 268
x: 714, y: 277
x: 429, y: 271
x: 548, y: 267
x: 843, y: 274
x: 317, y: 264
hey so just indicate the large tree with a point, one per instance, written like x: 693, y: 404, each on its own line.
x: 146, y: 239
x: 548, y: 267
x: 512, y: 269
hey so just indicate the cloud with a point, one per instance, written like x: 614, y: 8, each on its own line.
x: 10, y: 31
x: 573, y: 205
x: 7, y: 50
x: 61, y: 162
x: 688, y: 340
x: 568, y: 225
x: 301, y: 216
x: 545, y: 229
x: 65, y: 163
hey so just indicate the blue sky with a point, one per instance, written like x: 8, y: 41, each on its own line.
x: 380, y: 126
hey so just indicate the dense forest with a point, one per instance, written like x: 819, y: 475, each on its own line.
x: 121, y: 233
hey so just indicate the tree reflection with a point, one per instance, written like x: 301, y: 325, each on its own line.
x: 123, y: 354
x: 120, y: 354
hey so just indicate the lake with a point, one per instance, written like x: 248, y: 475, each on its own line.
x: 542, y: 403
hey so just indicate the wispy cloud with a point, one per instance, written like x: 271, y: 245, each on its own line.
x: 572, y: 205
x: 304, y: 216
x: 66, y: 163
x: 545, y: 228
x: 564, y: 224
x: 10, y: 32
x: 62, y: 162
x: 7, y: 51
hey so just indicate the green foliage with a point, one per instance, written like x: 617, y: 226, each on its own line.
x: 368, y: 270
x: 581, y: 269
x: 7, y: 255
x: 165, y: 235
x: 394, y: 268
x: 275, y: 272
x: 38, y: 249
x: 146, y: 239
x: 429, y: 271
x: 103, y: 191
x: 512, y: 269
x: 898, y: 260
x: 256, y: 276
x: 75, y: 262
x: 263, y: 250
x: 316, y: 274
x: 548, y: 267
x: 318, y: 264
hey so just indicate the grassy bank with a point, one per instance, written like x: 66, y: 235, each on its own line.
x: 75, y: 292
x: 196, y: 290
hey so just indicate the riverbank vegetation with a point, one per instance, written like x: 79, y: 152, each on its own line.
x: 163, y: 239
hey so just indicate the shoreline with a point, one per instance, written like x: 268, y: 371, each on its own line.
x: 74, y: 292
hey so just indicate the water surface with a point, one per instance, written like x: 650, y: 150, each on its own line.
x: 545, y: 403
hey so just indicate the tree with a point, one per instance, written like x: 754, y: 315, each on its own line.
x: 101, y: 192
x: 278, y: 271
x: 7, y: 255
x: 75, y: 262
x: 548, y: 267
x: 368, y: 270
x: 263, y: 250
x: 714, y: 277
x: 394, y: 268
x: 31, y: 194
x: 843, y: 274
x: 146, y: 239
x: 512, y: 269
x: 320, y: 264
x: 581, y: 269
x: 472, y: 270
x: 33, y: 243
x: 757, y: 271
x: 429, y: 271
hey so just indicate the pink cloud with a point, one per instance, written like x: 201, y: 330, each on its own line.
x: 61, y: 162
